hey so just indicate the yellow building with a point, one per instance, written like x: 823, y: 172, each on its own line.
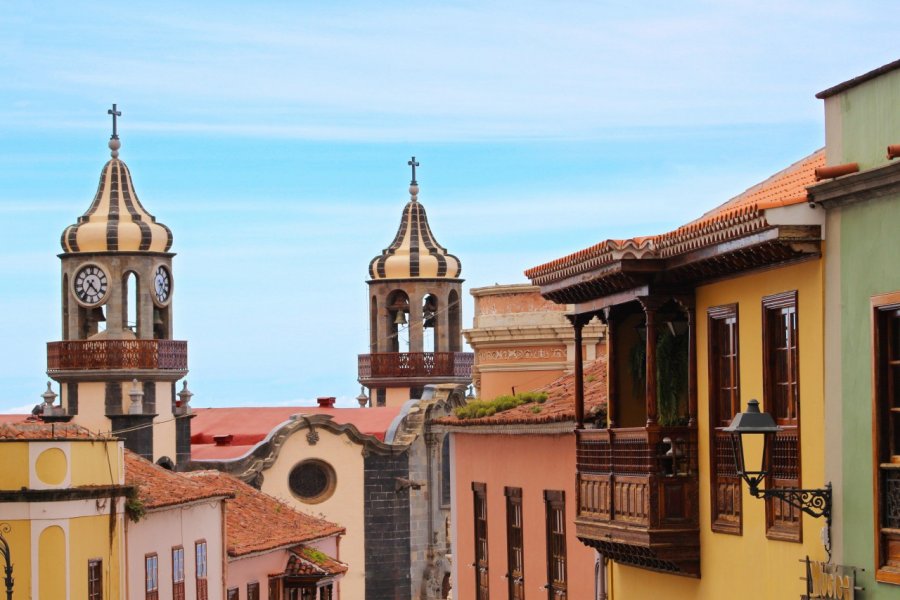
x: 701, y: 320
x: 62, y: 502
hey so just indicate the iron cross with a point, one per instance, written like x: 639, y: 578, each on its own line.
x: 115, y: 113
x: 413, y: 163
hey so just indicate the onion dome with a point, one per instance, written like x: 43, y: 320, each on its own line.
x: 116, y: 221
x: 414, y: 253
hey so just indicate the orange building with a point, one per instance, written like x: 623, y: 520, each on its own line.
x: 521, y: 341
x: 514, y: 496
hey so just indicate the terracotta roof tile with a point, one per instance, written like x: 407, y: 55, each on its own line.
x: 157, y: 487
x: 560, y: 403
x: 740, y: 215
x: 309, y: 561
x: 257, y: 522
x: 47, y: 431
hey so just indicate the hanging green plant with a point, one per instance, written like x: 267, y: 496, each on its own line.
x: 637, y: 362
x: 671, y: 377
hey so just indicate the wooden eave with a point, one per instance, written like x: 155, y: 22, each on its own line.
x: 870, y: 184
x: 627, y: 279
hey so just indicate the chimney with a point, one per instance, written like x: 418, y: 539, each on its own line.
x: 326, y: 401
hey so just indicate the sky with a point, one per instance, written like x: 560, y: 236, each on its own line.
x: 273, y: 139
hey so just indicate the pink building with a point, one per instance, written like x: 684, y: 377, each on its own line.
x: 513, y: 497
x: 274, y: 552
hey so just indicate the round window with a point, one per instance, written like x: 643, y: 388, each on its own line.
x: 312, y: 481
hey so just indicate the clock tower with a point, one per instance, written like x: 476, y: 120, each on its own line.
x: 117, y: 363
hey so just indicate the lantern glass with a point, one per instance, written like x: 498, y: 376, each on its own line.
x: 747, y: 426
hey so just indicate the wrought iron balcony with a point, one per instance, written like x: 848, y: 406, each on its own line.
x: 127, y: 355
x: 638, y: 496
x: 384, y: 367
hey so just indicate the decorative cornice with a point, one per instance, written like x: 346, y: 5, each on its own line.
x: 249, y: 467
x: 553, y: 428
x: 77, y: 493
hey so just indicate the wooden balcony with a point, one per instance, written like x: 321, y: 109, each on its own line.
x: 638, y: 496
x: 415, y: 368
x: 117, y: 355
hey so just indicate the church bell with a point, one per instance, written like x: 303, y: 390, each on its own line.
x: 400, y: 318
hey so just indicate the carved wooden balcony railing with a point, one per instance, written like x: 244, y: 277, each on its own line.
x: 403, y: 365
x: 638, y: 496
x: 100, y: 355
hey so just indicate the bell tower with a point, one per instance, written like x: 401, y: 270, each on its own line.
x: 117, y: 363
x: 415, y: 313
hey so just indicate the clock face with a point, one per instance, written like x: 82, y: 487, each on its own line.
x: 162, y: 285
x: 90, y: 284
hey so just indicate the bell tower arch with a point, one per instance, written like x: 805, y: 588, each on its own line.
x: 117, y: 362
x: 414, y: 313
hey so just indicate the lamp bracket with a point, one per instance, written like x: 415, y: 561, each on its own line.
x: 814, y: 502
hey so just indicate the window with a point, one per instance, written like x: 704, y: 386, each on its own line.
x: 515, y: 557
x: 178, y: 573
x: 200, y: 558
x: 253, y: 590
x: 555, y: 503
x: 445, y: 471
x: 274, y: 588
x: 151, y: 576
x: 482, y: 586
x: 886, y: 325
x: 781, y: 383
x: 233, y: 594
x: 95, y: 579
x: 312, y: 481
x: 724, y: 403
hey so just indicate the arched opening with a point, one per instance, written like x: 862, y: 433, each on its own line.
x: 430, y: 334
x: 398, y: 321
x: 454, y: 318
x: 373, y: 325
x: 130, y: 309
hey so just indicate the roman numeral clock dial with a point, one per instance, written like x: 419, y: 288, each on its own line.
x: 91, y: 284
x: 162, y: 285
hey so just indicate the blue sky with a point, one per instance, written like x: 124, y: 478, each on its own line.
x: 273, y: 137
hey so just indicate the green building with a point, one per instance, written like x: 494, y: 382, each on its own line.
x: 862, y: 323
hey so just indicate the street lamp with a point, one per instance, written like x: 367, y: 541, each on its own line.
x: 814, y: 502
x: 8, y: 570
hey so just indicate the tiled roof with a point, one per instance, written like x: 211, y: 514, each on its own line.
x: 739, y: 216
x: 559, y: 406
x: 47, y: 431
x: 157, y: 487
x: 257, y: 522
x: 311, y: 562
x: 250, y: 425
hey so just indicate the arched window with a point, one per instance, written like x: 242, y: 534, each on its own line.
x: 397, y: 319
x: 130, y: 311
x: 454, y: 318
x: 430, y: 321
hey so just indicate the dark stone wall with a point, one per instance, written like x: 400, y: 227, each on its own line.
x: 140, y: 440
x: 387, y: 528
x: 72, y: 397
x: 113, y: 400
x: 183, y: 442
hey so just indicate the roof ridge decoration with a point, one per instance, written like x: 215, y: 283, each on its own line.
x: 414, y: 253
x: 741, y: 215
x: 116, y: 221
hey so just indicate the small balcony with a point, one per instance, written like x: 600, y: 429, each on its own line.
x: 68, y: 357
x: 415, y: 368
x: 638, y: 496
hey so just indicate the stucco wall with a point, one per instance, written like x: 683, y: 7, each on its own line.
x: 160, y: 531
x: 776, y: 567
x: 535, y: 463
x: 344, y: 507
